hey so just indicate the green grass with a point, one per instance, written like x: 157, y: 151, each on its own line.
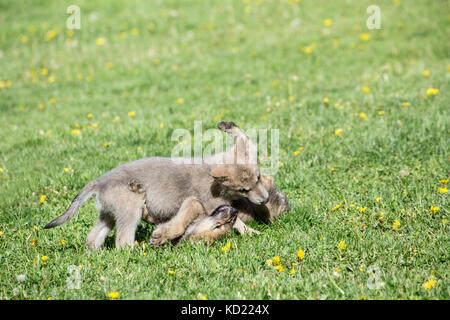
x: 223, y: 60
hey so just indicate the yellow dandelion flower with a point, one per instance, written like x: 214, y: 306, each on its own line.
x: 338, y: 132
x: 296, y: 153
x: 362, y: 298
x: 139, y: 148
x: 396, y: 225
x: 116, y: 119
x: 336, y: 206
x: 381, y: 216
x: 35, y: 228
x: 432, y: 91
x: 75, y: 132
x: 131, y: 113
x: 362, y: 210
x: 341, y: 245
x: 291, y: 98
x: 406, y: 104
x: 280, y: 164
x: 50, y: 35
x: 1, y: 233
x: 301, y: 254
x: 1, y: 170
x: 134, y: 31
x: 332, y: 169
x: 429, y: 284
x: 269, y: 262
x: 327, y: 23
x: 224, y: 249
x: 44, y: 258
x: 90, y: 116
x: 106, y: 144
x: 123, y: 35
x: 426, y: 73
x: 204, y: 298
x: 365, y: 89
x: 171, y: 272
x: 42, y: 200
x: 52, y: 100
x: 275, y: 83
x: 362, y: 115
x: 279, y: 268
x: 276, y: 259
x: 308, y: 50
x: 442, y: 190
x: 292, y: 271
x: 51, y: 79
x: 157, y: 62
x: 380, y: 113
x: 108, y: 65
x: 378, y: 199
x: 113, y: 295
x: 179, y: 101
x: 434, y: 209
x: 364, y: 36
x: 444, y: 221
x: 443, y: 181
x: 63, y: 242
x: 100, y: 41
x: 326, y: 100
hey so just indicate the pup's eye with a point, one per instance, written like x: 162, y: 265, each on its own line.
x: 218, y: 227
x: 259, y: 176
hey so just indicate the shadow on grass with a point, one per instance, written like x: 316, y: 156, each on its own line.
x: 143, y: 233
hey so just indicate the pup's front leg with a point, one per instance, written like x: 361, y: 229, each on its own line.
x: 190, y: 209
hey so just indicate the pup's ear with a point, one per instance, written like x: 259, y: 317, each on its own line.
x: 221, y: 172
x: 267, y: 181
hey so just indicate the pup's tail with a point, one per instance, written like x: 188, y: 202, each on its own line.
x: 87, y: 192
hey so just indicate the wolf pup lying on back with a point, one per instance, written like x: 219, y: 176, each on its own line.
x: 171, y: 189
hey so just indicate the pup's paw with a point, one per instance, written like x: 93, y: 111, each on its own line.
x: 251, y: 231
x: 156, y: 239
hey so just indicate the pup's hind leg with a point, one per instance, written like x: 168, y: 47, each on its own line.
x: 127, y: 223
x: 105, y: 223
x: 126, y: 208
x: 190, y: 209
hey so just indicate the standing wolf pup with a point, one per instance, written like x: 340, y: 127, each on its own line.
x: 171, y: 189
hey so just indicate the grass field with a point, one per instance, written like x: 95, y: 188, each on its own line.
x: 364, y: 143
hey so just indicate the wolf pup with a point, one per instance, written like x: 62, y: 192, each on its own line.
x: 171, y: 187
